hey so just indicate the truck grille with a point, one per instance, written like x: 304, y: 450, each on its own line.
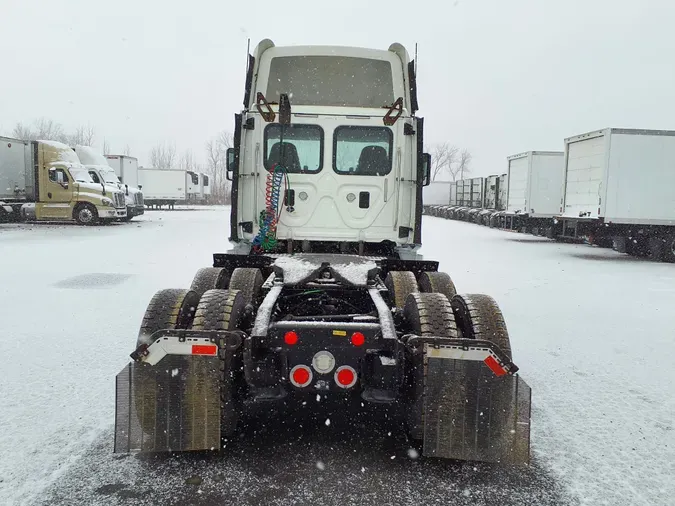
x: 138, y: 198
x: 118, y: 200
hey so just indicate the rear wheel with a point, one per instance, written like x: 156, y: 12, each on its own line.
x: 168, y: 309
x: 210, y: 278
x: 248, y: 281
x: 437, y: 282
x: 400, y: 284
x: 426, y: 315
x: 479, y: 317
x: 223, y: 310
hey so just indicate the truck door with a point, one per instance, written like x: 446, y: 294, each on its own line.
x: 55, y: 201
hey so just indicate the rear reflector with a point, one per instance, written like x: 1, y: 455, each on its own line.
x: 301, y: 376
x: 494, y: 366
x: 345, y: 377
x: 204, y: 349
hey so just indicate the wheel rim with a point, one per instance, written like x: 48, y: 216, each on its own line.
x: 85, y: 215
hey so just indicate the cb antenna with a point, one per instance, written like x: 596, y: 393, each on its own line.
x: 248, y: 52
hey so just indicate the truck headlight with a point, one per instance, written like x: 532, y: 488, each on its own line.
x: 107, y: 202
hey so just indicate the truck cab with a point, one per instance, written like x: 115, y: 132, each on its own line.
x: 65, y: 191
x: 328, y: 153
x: 102, y: 173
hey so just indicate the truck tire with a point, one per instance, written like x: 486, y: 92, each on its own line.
x: 437, y: 282
x: 248, y: 281
x: 209, y: 278
x: 223, y: 310
x: 85, y: 214
x: 168, y: 309
x: 479, y: 317
x: 400, y: 284
x: 425, y: 315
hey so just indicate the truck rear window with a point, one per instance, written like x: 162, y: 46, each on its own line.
x: 362, y: 151
x: 297, y: 148
x: 338, y: 81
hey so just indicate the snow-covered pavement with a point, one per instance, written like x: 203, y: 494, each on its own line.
x: 592, y: 332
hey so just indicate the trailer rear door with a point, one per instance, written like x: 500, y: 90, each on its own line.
x: 583, y: 176
x: 518, y: 177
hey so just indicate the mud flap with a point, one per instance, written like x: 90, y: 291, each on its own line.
x: 172, y: 406
x: 472, y: 414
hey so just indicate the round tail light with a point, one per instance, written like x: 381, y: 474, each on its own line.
x: 358, y: 339
x: 301, y: 376
x: 291, y: 338
x: 345, y: 377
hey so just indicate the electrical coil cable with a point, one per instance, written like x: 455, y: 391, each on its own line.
x: 266, y: 239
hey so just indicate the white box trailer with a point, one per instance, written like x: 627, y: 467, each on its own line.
x: 437, y: 193
x: 126, y: 168
x: 495, y: 192
x: 534, y: 193
x: 163, y: 186
x: 619, y: 188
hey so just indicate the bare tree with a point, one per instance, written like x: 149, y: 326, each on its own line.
x: 443, y: 157
x: 106, y: 147
x: 463, y: 163
x: 41, y: 128
x: 216, y: 166
x: 163, y: 156
x: 83, y: 136
x: 187, y: 161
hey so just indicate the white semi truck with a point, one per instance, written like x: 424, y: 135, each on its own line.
x: 619, y: 187
x: 324, y: 293
x: 101, y: 172
x: 44, y: 180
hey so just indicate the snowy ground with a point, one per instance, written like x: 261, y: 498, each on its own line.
x: 591, y: 331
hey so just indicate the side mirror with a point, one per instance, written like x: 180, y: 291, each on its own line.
x: 426, y: 166
x: 230, y: 164
x: 126, y: 186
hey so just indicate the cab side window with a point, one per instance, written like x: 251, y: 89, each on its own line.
x: 55, y: 178
x: 94, y: 176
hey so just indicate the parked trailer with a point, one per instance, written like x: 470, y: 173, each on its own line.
x: 618, y: 189
x: 534, y: 191
x: 126, y: 168
x: 436, y: 194
x: 163, y: 187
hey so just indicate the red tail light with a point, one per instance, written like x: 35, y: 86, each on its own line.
x: 358, y: 339
x: 290, y: 338
x: 301, y: 376
x: 345, y: 377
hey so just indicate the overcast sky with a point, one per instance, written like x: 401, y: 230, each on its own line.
x: 495, y: 76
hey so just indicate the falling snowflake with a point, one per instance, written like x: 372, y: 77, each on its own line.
x: 320, y: 465
x: 412, y: 453
x: 327, y: 422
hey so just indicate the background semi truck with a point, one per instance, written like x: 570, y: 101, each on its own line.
x: 101, y: 172
x: 534, y: 191
x: 44, y: 180
x: 619, y: 187
x: 164, y: 187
